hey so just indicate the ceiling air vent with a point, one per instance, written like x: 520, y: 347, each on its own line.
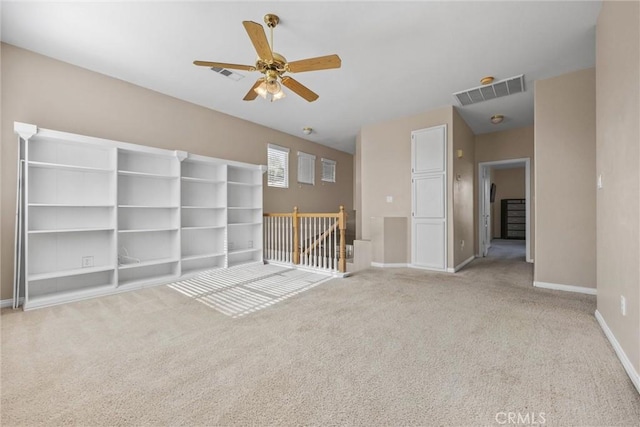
x: 495, y: 90
x: 228, y: 73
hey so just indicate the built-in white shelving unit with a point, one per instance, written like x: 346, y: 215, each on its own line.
x: 103, y: 216
x: 204, y: 213
x: 70, y: 220
x: 148, y: 220
x: 244, y: 215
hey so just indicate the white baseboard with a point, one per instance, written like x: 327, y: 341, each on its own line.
x: 388, y: 265
x: 626, y: 363
x: 461, y: 265
x: 566, y: 288
x: 420, y: 267
x: 9, y: 302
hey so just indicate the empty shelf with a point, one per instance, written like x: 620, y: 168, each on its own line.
x: 65, y: 273
x: 147, y: 263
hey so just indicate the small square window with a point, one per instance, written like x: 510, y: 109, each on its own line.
x: 328, y: 170
x: 306, y: 168
x: 278, y: 166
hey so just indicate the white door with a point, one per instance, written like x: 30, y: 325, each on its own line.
x: 429, y: 198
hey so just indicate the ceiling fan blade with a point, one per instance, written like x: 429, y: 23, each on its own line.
x: 252, y: 94
x: 259, y: 40
x: 313, y: 64
x: 225, y: 65
x: 299, y: 88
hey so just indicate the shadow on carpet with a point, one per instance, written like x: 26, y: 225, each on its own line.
x: 242, y: 290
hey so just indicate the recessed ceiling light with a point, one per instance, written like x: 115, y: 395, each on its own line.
x: 307, y: 130
x: 497, y: 119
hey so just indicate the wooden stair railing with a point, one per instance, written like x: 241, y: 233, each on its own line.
x: 315, y: 240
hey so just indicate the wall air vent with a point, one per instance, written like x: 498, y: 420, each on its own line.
x: 494, y: 90
x: 228, y: 73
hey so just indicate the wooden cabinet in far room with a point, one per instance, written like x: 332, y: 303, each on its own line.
x: 513, y: 214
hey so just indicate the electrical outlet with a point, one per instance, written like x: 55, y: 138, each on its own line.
x: 461, y: 244
x: 87, y: 261
x: 389, y: 199
x: 623, y: 305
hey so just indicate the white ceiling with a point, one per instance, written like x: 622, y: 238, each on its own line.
x: 398, y: 58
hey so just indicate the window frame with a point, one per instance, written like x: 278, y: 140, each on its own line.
x: 281, y: 153
x: 306, y: 159
x: 331, y: 163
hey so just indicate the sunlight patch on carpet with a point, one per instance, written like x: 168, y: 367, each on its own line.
x: 241, y: 290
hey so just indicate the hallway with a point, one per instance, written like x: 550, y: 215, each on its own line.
x: 508, y: 249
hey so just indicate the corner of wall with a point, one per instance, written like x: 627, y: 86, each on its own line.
x: 618, y: 161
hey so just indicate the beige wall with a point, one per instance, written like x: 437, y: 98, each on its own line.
x: 388, y: 240
x: 507, y: 145
x: 463, y: 201
x: 618, y: 160
x: 385, y: 158
x: 565, y: 179
x: 384, y: 152
x: 60, y: 96
x: 510, y: 184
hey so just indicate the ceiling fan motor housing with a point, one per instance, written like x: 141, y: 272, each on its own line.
x: 271, y: 76
x: 279, y: 64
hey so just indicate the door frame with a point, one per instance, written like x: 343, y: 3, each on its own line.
x: 526, y: 161
x: 485, y: 225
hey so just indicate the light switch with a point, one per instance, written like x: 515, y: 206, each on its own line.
x: 599, y: 181
x: 389, y: 199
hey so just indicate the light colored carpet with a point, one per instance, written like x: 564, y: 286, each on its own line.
x: 384, y: 347
x: 508, y: 249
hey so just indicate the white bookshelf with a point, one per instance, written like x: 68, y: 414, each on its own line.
x: 70, y: 220
x: 103, y: 216
x: 148, y: 217
x: 244, y: 215
x: 203, y: 215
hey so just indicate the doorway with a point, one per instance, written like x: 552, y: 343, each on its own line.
x: 489, y: 208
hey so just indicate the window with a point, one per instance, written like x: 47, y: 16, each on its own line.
x: 328, y: 170
x: 278, y: 166
x: 306, y: 168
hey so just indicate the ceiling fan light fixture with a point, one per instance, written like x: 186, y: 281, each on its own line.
x: 273, y: 87
x: 262, y: 90
x: 497, y: 119
x: 278, y: 95
x: 270, y: 87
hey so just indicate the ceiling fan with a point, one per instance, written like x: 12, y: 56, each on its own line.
x: 273, y: 65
